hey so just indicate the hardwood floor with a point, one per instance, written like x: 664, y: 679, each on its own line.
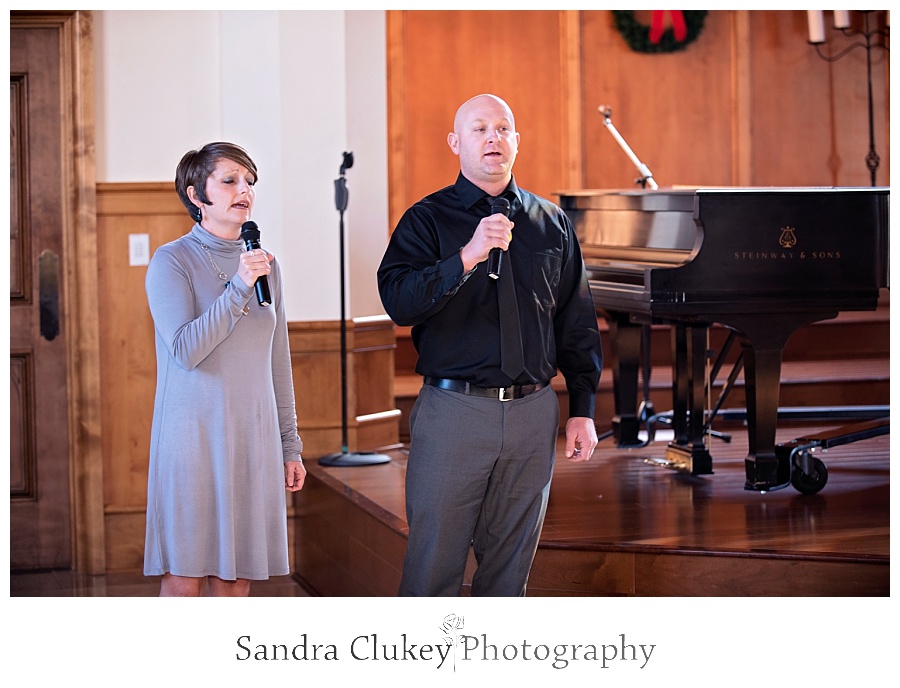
x: 626, y: 497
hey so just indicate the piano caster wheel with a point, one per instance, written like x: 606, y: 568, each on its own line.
x: 810, y: 483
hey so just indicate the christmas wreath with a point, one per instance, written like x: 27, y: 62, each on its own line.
x: 686, y: 26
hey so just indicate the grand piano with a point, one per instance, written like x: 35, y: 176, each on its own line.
x: 763, y: 262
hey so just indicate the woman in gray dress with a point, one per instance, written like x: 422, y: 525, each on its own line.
x: 224, y: 444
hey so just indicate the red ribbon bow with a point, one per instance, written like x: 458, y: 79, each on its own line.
x: 657, y: 17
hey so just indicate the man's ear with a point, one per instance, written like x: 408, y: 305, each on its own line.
x: 453, y: 142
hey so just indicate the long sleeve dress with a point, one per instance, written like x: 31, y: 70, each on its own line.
x: 224, y: 419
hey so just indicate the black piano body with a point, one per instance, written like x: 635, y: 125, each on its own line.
x: 762, y: 261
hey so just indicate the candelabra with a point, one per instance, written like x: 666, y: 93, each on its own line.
x: 872, y: 38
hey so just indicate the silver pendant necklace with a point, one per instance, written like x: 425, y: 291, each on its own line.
x: 220, y: 272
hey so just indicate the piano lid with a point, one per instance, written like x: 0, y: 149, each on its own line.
x: 714, y: 245
x: 678, y: 200
x: 680, y: 197
x: 633, y: 226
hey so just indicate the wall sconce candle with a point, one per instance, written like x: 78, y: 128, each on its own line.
x: 841, y: 19
x: 816, y: 22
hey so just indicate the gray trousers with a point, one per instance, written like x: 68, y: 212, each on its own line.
x: 478, y: 475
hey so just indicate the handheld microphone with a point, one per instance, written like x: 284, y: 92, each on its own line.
x: 250, y: 235
x: 495, y: 257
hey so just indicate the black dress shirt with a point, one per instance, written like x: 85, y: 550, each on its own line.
x: 454, y: 316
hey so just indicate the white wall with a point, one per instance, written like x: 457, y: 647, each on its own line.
x: 296, y: 89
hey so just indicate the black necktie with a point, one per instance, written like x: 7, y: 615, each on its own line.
x: 512, y: 360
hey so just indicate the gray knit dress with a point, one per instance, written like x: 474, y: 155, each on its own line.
x: 224, y: 419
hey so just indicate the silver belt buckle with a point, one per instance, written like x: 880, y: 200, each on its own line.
x: 501, y: 396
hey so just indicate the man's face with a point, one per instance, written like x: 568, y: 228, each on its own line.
x: 486, y: 141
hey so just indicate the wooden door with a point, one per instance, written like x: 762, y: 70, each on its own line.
x: 40, y: 526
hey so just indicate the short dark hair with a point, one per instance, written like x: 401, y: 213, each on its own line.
x: 196, y: 166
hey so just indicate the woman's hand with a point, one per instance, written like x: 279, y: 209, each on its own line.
x: 254, y: 263
x: 294, y: 475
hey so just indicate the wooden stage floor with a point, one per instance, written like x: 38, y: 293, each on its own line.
x: 621, y: 524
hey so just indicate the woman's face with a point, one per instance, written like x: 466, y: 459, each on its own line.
x: 230, y: 188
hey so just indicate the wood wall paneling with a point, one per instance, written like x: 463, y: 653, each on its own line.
x: 127, y: 343
x: 445, y: 58
x: 674, y: 110
x: 810, y: 117
x: 742, y: 121
x: 573, y: 133
x: 748, y: 103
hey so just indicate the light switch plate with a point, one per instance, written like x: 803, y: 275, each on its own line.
x: 138, y: 249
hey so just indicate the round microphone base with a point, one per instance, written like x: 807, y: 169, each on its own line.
x: 354, y: 459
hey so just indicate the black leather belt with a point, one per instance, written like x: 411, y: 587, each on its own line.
x: 501, y: 393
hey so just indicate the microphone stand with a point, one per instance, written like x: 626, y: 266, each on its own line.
x: 344, y: 457
x: 647, y: 177
x: 646, y: 410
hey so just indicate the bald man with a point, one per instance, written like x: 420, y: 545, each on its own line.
x: 484, y: 427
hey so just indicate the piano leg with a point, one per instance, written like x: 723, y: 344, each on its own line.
x: 688, y: 451
x: 762, y: 378
x: 681, y: 384
x: 625, y: 353
x: 762, y: 344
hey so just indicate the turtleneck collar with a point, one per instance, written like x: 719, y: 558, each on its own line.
x: 224, y: 246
